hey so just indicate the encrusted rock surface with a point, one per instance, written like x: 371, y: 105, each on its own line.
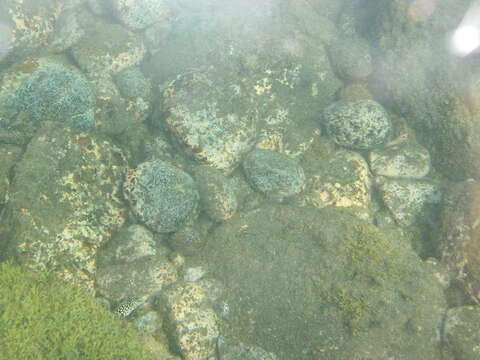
x: 161, y: 195
x: 64, y: 203
x: 192, y: 320
x: 460, y: 236
x: 405, y: 160
x: 360, y: 124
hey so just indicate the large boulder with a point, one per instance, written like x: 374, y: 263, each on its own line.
x: 313, y: 282
x: 65, y: 201
x: 44, y: 89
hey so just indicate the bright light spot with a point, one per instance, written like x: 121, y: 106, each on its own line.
x: 465, y: 40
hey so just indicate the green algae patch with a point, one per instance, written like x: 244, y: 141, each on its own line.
x: 371, y: 254
x: 43, y: 317
x: 376, y: 264
x: 353, y: 308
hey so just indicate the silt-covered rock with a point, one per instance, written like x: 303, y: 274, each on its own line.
x: 274, y: 174
x: 320, y: 278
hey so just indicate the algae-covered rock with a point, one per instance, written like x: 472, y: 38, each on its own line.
x: 135, y: 280
x: 106, y: 48
x: 460, y: 235
x: 44, y: 89
x: 351, y: 58
x: 340, y: 178
x: 320, y: 278
x: 115, y: 113
x: 461, y: 333
x: 57, y: 320
x: 139, y: 14
x: 411, y: 201
x: 65, y: 201
x: 361, y: 124
x: 193, y: 324
x: 217, y: 193
x: 128, y: 244
x: 28, y: 28
x: 404, y: 160
x: 162, y: 196
x: 212, y: 118
x: 434, y: 89
x: 9, y: 154
x: 274, y: 174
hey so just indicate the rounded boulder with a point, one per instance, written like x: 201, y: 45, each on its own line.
x: 161, y: 195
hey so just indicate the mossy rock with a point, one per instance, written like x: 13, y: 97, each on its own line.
x: 296, y: 277
x: 42, y: 317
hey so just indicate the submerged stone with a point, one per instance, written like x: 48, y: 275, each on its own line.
x: 45, y: 89
x: 65, y: 203
x: 161, y: 196
x: 360, y: 124
x: 320, y: 276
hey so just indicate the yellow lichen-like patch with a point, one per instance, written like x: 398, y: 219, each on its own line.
x: 272, y: 140
x: 275, y: 141
x: 89, y: 195
x: 196, y: 324
x: 355, y: 193
x: 289, y: 77
x: 29, y: 66
x: 35, y: 28
x: 263, y: 86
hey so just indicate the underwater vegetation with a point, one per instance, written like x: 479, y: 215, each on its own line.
x: 42, y: 317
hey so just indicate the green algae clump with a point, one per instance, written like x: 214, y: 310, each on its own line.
x: 42, y: 317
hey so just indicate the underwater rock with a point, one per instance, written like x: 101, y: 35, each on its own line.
x: 217, y: 193
x: 312, y: 276
x: 45, y: 89
x: 361, y: 124
x: 162, y: 196
x: 461, y: 332
x: 405, y: 160
x: 232, y: 350
x: 27, y: 28
x: 67, y: 31
x: 133, y: 84
x: 9, y: 155
x: 106, y: 48
x: 460, y: 236
x: 351, y: 58
x: 187, y: 241
x: 193, y: 324
x: 410, y: 201
x: 212, y: 118
x: 113, y: 112
x: 65, y: 203
x: 139, y: 279
x: 128, y: 244
x: 339, y: 178
x: 139, y: 14
x: 436, y: 91
x: 274, y: 174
